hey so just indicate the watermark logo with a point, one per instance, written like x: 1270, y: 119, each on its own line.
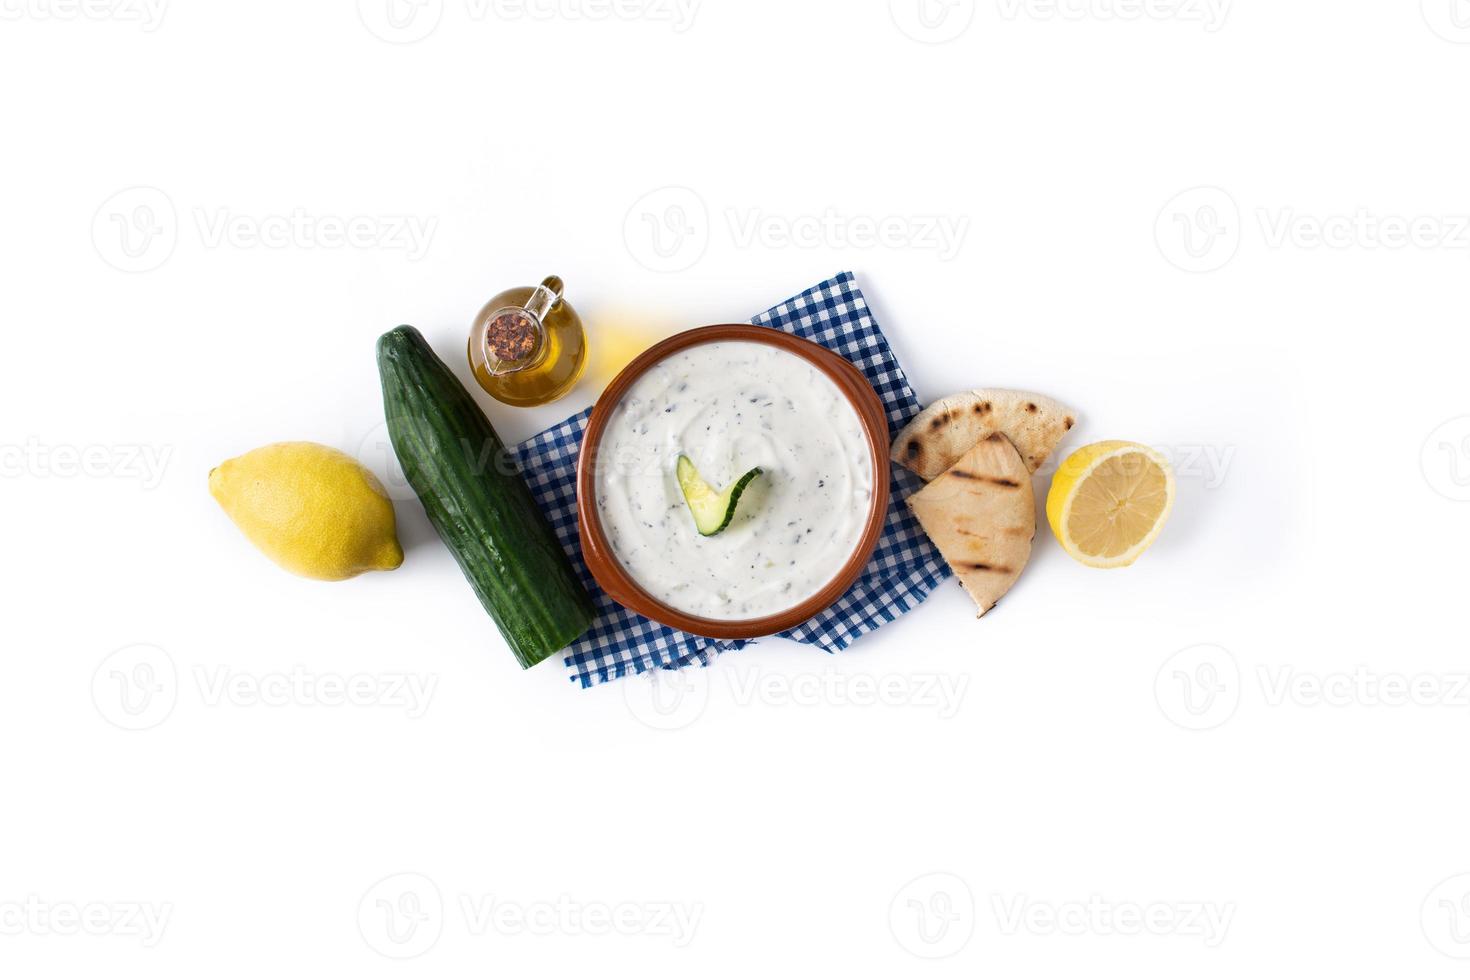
x: 932, y: 21
x: 1208, y: 464
x: 408, y: 21
x: 939, y: 233
x: 1445, y: 917
x: 933, y: 916
x: 400, y: 21
x: 678, y: 14
x: 1205, y: 464
x: 147, y: 14
x: 667, y: 699
x: 1199, y: 229
x: 670, y: 700
x: 568, y: 916
x: 940, y: 693
x: 34, y: 916
x: 376, y: 452
x: 1210, y: 14
x: 136, y: 229
x: 136, y: 687
x: 1201, y: 687
x: 1450, y: 19
x: 95, y: 461
x: 1445, y: 459
x: 1361, y: 688
x: 1198, y: 688
x: 667, y: 230
x: 1208, y: 922
x: 402, y: 916
x: 300, y: 688
x: 1362, y: 229
x: 407, y: 233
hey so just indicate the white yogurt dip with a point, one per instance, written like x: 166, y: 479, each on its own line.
x: 730, y: 406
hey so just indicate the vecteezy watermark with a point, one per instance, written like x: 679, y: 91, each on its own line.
x: 940, y: 694
x: 221, y: 686
x: 376, y: 451
x: 1198, y: 688
x: 1096, y: 916
x: 34, y: 916
x: 1445, y: 459
x: 1210, y: 14
x: 932, y: 21
x: 678, y: 14
x: 1445, y: 917
x: 1207, y: 464
x: 568, y: 916
x: 138, y: 687
x: 933, y: 916
x: 94, y: 461
x: 1450, y: 19
x: 1361, y: 687
x: 669, y: 229
x: 401, y: 916
x: 404, y: 915
x: 1198, y: 230
x: 400, y: 21
x: 1362, y: 229
x: 137, y: 230
x: 147, y: 14
x: 667, y: 699
x: 942, y: 234
x: 674, y: 699
x: 1201, y: 687
x: 407, y: 21
x: 407, y: 233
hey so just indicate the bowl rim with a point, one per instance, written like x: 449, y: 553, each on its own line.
x: 608, y: 570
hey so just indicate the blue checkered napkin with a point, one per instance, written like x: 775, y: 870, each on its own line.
x: 905, y: 566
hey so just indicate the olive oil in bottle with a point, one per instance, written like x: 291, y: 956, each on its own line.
x: 527, y: 346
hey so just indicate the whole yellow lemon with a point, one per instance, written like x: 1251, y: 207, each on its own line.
x: 313, y: 510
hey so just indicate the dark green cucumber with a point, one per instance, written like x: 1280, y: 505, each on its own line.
x: 472, y: 490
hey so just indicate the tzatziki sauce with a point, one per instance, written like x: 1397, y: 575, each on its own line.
x: 730, y: 406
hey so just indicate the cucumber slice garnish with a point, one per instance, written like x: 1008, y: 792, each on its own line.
x: 712, y: 509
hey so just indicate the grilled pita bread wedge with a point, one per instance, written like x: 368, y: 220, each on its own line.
x: 943, y: 432
x: 981, y: 515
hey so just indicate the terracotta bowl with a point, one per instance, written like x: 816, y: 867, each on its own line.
x: 609, y: 572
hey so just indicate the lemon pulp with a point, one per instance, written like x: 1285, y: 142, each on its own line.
x: 1109, y: 501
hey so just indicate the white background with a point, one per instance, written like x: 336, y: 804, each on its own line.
x: 1190, y: 221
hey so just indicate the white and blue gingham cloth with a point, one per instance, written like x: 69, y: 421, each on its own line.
x: 905, y: 566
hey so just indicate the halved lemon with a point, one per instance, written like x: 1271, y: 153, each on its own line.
x: 1109, y: 501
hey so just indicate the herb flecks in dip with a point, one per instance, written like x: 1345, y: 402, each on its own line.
x: 730, y: 406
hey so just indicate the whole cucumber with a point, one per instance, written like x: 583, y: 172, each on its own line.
x: 475, y: 497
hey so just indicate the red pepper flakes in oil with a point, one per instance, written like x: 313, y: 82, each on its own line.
x: 511, y: 336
